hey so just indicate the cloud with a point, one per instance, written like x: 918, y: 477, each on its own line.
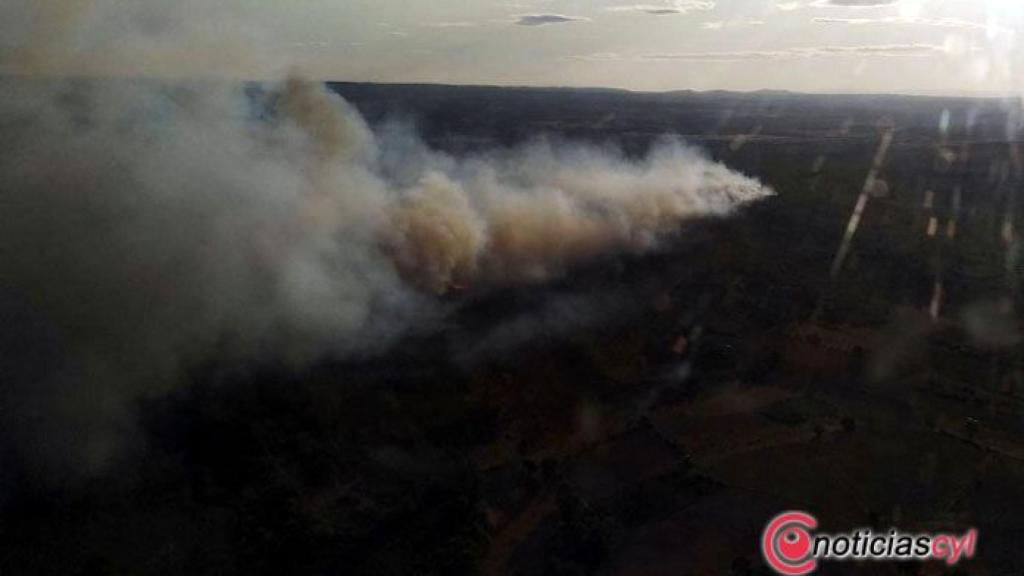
x: 796, y: 5
x: 856, y: 3
x: 724, y: 24
x: 881, y: 49
x: 449, y: 24
x: 668, y: 8
x: 545, y: 19
x: 916, y: 21
x: 718, y: 56
x: 669, y: 56
x: 733, y: 56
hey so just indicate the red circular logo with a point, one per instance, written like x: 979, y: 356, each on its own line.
x: 786, y: 544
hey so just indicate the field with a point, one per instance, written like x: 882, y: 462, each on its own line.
x: 850, y: 346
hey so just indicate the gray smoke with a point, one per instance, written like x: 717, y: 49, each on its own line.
x: 147, y: 226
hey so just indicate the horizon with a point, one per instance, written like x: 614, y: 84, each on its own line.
x: 961, y: 95
x: 960, y: 48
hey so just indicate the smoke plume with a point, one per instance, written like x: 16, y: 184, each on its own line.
x: 147, y: 226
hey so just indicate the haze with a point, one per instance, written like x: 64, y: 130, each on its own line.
x: 888, y: 46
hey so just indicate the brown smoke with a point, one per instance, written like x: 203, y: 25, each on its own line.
x: 148, y: 226
x: 524, y: 215
x: 516, y: 216
x: 434, y: 236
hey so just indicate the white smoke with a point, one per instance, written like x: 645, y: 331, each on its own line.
x: 146, y: 226
x: 530, y: 213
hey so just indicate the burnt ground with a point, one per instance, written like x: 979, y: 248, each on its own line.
x: 642, y: 415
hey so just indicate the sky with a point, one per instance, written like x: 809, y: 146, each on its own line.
x: 879, y: 46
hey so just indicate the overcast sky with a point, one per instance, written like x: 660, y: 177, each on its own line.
x: 929, y: 46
